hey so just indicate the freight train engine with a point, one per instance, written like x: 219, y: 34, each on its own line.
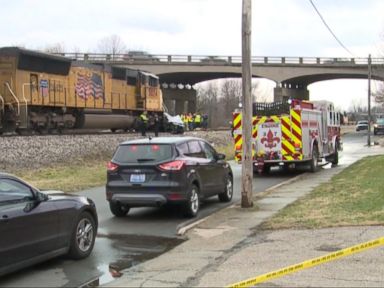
x: 42, y: 92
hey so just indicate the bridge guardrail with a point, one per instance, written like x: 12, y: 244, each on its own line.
x: 219, y: 60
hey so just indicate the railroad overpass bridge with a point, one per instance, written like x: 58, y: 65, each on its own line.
x: 292, y: 75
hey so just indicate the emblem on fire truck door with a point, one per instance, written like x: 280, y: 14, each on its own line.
x: 269, y: 140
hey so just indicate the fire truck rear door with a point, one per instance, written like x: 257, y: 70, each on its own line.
x: 269, y: 140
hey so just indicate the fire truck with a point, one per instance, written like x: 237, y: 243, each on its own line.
x: 291, y: 133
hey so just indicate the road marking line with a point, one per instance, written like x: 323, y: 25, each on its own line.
x: 309, y: 263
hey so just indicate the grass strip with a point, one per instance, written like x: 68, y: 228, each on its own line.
x: 353, y: 197
x: 81, y: 174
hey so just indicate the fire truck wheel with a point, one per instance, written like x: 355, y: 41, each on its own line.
x: 335, y: 158
x: 314, y: 161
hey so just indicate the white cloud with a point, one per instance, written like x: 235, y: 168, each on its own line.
x: 200, y: 27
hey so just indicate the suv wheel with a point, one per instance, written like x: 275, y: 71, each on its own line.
x: 226, y: 196
x: 191, y: 207
x: 118, y: 210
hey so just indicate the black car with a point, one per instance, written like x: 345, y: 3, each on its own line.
x: 154, y: 172
x: 378, y: 126
x: 38, y: 225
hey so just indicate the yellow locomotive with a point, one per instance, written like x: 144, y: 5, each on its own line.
x: 43, y: 92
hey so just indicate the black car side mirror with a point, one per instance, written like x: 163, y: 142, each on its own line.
x: 41, y: 197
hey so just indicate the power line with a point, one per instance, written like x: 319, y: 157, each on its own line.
x: 329, y: 29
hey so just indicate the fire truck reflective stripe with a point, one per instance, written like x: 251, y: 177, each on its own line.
x: 236, y: 121
x: 237, y: 139
x: 237, y: 135
x: 296, y: 126
x: 296, y: 137
x: 290, y: 139
x: 296, y: 115
x: 275, y: 119
x: 287, y: 148
x: 262, y: 120
x: 285, y: 125
x: 296, y: 122
x: 254, y: 123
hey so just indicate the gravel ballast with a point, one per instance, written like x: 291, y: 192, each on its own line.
x: 33, y: 152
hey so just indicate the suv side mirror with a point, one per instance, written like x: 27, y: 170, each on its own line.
x: 220, y: 156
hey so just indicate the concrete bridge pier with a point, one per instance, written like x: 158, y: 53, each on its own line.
x: 281, y: 93
x: 179, y: 101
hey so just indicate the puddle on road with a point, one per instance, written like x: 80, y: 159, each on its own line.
x: 126, y: 251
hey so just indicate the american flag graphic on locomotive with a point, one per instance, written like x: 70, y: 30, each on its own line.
x: 89, y: 86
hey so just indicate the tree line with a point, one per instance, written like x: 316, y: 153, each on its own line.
x: 219, y: 98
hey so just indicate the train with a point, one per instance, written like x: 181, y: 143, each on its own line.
x: 41, y: 92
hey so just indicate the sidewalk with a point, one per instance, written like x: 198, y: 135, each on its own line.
x: 227, y: 247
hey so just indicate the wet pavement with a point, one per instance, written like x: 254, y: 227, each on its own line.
x: 110, y: 255
x: 131, y: 251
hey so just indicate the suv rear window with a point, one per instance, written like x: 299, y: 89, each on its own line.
x: 142, y: 153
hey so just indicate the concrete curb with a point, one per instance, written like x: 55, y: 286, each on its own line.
x: 182, y: 229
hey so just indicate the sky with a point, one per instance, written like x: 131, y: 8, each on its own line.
x: 206, y: 27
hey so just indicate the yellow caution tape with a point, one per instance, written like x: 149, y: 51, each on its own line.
x: 309, y: 263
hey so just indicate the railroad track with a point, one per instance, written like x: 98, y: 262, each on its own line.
x: 101, y: 132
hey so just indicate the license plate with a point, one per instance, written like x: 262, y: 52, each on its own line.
x: 137, y: 178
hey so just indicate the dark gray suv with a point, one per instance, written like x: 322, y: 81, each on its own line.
x: 153, y: 172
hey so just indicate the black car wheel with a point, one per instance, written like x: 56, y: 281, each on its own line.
x: 118, y: 209
x: 83, y: 237
x: 191, y: 207
x: 226, y: 196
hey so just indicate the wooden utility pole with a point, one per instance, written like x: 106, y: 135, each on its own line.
x: 369, y: 98
x: 246, y: 121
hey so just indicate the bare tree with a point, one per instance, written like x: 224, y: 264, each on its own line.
x: 207, y: 103
x: 379, y: 94
x: 357, y: 106
x: 231, y: 96
x: 260, y: 93
x: 56, y: 48
x: 112, y: 45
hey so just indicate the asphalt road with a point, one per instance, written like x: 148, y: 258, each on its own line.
x: 143, y: 234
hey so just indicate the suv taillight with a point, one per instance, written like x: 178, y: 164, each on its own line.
x: 172, y: 166
x: 112, y: 166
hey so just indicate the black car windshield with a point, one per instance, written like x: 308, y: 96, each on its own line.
x: 380, y: 121
x: 142, y: 153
